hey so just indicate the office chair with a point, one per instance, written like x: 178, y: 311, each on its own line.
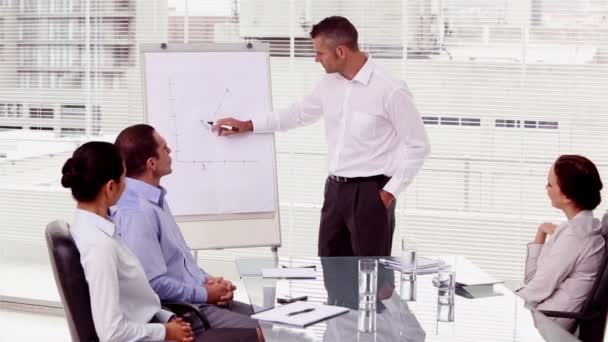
x: 591, y: 320
x: 73, y: 287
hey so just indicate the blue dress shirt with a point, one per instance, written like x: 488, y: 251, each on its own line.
x: 146, y: 225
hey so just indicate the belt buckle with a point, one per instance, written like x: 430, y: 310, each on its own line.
x: 340, y: 179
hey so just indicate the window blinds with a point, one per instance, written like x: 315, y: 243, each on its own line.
x: 504, y: 87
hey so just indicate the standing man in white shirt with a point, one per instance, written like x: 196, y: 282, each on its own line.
x: 376, y: 141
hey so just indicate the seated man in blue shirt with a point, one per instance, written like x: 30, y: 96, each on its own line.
x: 145, y: 223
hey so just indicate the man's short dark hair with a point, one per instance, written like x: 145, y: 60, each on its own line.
x: 137, y: 145
x: 337, y: 29
x: 579, y: 180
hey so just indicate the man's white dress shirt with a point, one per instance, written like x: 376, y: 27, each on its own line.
x: 371, y: 125
x: 560, y: 273
x: 122, y: 301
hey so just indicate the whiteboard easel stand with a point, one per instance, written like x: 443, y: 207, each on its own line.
x: 210, y: 219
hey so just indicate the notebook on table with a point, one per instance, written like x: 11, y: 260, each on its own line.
x: 290, y: 273
x: 300, y: 313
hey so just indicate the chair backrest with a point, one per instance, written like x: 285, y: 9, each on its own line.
x: 71, y: 281
x: 593, y: 328
x: 599, y: 301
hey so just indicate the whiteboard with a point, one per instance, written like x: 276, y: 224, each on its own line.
x: 222, y: 189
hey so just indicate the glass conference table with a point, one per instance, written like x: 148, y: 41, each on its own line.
x: 501, y: 316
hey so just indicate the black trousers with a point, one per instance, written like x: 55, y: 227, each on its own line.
x: 354, y: 220
x: 220, y: 334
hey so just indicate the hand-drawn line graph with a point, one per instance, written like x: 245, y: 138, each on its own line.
x: 212, y: 174
x: 205, y: 128
x: 219, y: 105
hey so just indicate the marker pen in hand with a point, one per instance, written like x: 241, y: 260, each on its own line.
x: 226, y: 127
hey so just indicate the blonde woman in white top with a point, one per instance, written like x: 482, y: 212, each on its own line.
x: 123, y: 304
x: 561, y: 270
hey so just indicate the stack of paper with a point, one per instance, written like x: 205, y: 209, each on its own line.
x: 468, y: 273
x: 300, y: 313
x: 423, y: 265
x: 289, y: 273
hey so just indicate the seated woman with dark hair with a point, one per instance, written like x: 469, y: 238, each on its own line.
x: 122, y: 303
x: 561, y: 271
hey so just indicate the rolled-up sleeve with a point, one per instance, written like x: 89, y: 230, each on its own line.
x: 302, y: 113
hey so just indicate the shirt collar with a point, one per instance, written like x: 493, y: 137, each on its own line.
x: 584, y: 224
x: 150, y: 192
x: 88, y: 217
x: 365, y: 73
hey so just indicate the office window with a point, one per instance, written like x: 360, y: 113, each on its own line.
x: 548, y: 124
x: 72, y: 132
x: 450, y: 121
x: 504, y: 88
x: 121, y: 28
x: 41, y: 118
x: 120, y: 56
x: 74, y: 120
x: 28, y: 6
x: 509, y: 123
x: 14, y: 110
x: 29, y: 29
x: 59, y: 29
x: 41, y: 113
x: 9, y: 128
x: 430, y: 120
x: 513, y: 123
x: 527, y: 86
x: 73, y: 115
x: 474, y: 122
x: 54, y: 54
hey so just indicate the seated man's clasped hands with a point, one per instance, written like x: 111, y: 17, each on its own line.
x: 220, y: 291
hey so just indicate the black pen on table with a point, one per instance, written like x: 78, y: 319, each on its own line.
x: 301, y: 312
x: 226, y: 127
x: 310, y: 266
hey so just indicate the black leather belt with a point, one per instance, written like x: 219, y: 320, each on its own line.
x: 340, y: 179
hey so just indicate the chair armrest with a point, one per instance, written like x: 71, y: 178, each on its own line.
x: 572, y: 315
x: 180, y: 308
x: 562, y: 314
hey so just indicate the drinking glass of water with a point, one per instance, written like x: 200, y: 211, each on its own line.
x: 408, y: 270
x: 446, y: 287
x: 368, y: 289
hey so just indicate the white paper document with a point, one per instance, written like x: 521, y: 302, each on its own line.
x: 290, y: 273
x: 300, y: 313
x: 468, y: 274
x: 423, y: 265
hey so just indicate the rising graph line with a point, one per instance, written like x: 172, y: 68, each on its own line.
x: 200, y: 164
x: 219, y: 105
